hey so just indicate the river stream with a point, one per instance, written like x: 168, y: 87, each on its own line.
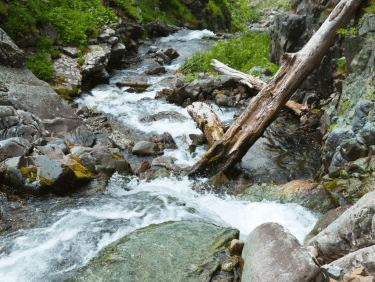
x: 75, y: 232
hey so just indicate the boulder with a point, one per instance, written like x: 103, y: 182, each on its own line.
x: 39, y: 175
x: 163, y: 161
x: 171, y: 53
x: 121, y: 141
x: 10, y: 54
x: 96, y: 60
x: 159, y: 28
x: 164, y: 141
x: 222, y: 100
x: 272, y: 253
x: 183, y: 250
x: 14, y: 147
x: 171, y: 115
x: 193, y: 90
x: 306, y: 193
x: 145, y: 148
x: 223, y: 81
x: 154, y: 68
x: 353, y: 230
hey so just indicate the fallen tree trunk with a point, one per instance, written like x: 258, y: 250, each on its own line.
x: 137, y: 85
x: 254, y: 82
x: 265, y: 107
x: 207, y: 121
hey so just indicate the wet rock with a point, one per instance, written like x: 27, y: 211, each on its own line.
x: 140, y: 79
x: 164, y: 141
x: 198, y: 139
x: 81, y: 110
x: 163, y: 161
x: 324, y: 221
x: 352, y: 231
x: 331, y: 271
x: 10, y: 54
x: 145, y: 167
x: 191, y: 244
x: 145, y: 148
x: 154, y: 68
x: 165, y: 58
x: 14, y: 147
x: 272, y: 253
x: 171, y: 115
x: 171, y: 53
x: 236, y: 247
x: 308, y: 194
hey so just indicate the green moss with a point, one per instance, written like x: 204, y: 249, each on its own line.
x: 32, y: 175
x: 98, y: 161
x: 82, y: 173
x: 66, y: 93
x: 329, y: 187
x: 117, y: 157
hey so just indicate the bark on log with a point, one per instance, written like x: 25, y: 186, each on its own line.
x: 207, y: 121
x: 254, y: 82
x: 137, y: 85
x: 265, y: 107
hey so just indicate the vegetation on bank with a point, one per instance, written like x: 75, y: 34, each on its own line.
x: 241, y: 52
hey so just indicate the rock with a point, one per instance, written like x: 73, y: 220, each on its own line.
x: 171, y: 115
x: 352, y: 150
x: 106, y: 34
x: 72, y: 52
x: 187, y: 254
x: 39, y: 175
x: 207, y: 86
x: 48, y: 30
x: 358, y: 275
x: 324, y: 221
x: 193, y: 90
x: 331, y: 271
x: 164, y: 141
x: 360, y: 115
x: 121, y: 141
x: 145, y: 167
x: 171, y: 53
x: 155, y: 69
x: 96, y: 60
x: 368, y: 25
x: 222, y: 100
x: 145, y: 148
x: 159, y: 28
x: 223, y: 81
x: 140, y: 79
x: 165, y: 58
x: 10, y: 54
x: 163, y: 161
x: 308, y: 194
x: 236, y: 247
x: 361, y: 258
x: 14, y: 147
x: 198, y: 139
x: 272, y: 253
x: 352, y: 231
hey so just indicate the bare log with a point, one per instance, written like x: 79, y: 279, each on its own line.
x: 265, y: 107
x: 254, y: 82
x: 136, y: 85
x: 207, y: 121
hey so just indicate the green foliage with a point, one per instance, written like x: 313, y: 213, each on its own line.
x: 345, y: 105
x: 190, y: 77
x: 332, y: 126
x: 353, y: 31
x: 165, y: 10
x: 241, y: 13
x: 342, y: 32
x: 242, y: 52
x: 341, y: 65
x: 371, y: 9
x: 360, y: 21
x: 74, y: 20
x: 41, y: 65
x: 45, y: 44
x: 81, y: 60
x: 269, y: 4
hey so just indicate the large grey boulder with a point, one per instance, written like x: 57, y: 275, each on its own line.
x: 172, y: 251
x: 14, y: 147
x: 353, y: 230
x: 272, y: 254
x: 10, y: 54
x: 146, y: 148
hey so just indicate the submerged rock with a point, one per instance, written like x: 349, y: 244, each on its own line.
x: 178, y: 251
x: 272, y: 254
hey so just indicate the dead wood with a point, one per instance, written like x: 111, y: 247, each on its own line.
x: 265, y: 107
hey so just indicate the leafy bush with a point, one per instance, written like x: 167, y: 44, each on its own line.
x: 74, y: 20
x: 242, y: 52
x: 345, y: 105
x: 371, y: 9
x: 41, y: 65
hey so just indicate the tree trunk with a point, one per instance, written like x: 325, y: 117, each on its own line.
x: 265, y: 107
x: 207, y: 121
x: 254, y: 82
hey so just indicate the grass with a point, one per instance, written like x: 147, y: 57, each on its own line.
x: 242, y: 52
x: 269, y: 4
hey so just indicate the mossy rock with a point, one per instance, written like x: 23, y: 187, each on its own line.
x: 178, y: 251
x: 68, y: 92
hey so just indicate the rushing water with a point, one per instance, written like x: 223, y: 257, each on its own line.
x: 73, y: 233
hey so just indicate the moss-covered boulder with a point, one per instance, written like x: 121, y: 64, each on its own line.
x: 306, y: 193
x: 349, y: 183
x: 171, y: 251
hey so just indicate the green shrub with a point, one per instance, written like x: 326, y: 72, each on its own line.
x: 341, y: 65
x: 371, y: 9
x: 41, y: 65
x: 242, y: 52
x: 332, y: 126
x: 345, y: 105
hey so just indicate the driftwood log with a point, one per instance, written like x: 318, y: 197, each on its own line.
x: 136, y: 85
x: 265, y: 107
x: 254, y: 82
x: 207, y: 121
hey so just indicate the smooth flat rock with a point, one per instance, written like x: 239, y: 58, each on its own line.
x: 272, y: 253
x: 172, y: 251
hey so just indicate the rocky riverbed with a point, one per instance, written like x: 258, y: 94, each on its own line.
x: 96, y: 187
